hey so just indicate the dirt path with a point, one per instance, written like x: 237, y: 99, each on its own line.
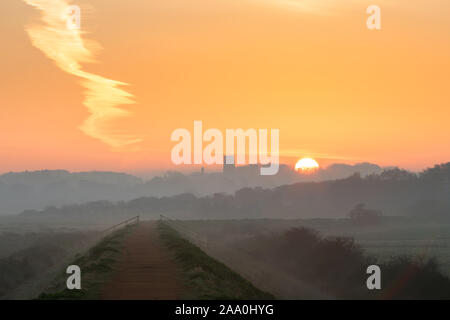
x: 146, y: 270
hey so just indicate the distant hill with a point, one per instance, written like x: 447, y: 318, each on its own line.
x: 392, y: 192
x: 340, y: 170
x: 29, y: 190
x: 38, y: 189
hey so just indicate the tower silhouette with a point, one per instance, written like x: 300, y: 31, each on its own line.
x: 228, y: 164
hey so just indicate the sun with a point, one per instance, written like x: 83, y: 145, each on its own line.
x: 306, y: 165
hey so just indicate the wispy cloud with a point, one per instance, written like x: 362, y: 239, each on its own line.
x: 67, y: 48
x: 307, y: 6
x: 321, y: 7
x: 308, y: 153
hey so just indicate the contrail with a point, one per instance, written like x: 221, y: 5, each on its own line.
x: 68, y: 50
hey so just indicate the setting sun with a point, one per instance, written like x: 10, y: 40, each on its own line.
x: 306, y: 165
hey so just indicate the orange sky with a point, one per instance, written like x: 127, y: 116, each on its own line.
x: 337, y: 91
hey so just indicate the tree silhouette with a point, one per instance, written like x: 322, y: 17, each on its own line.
x: 362, y: 216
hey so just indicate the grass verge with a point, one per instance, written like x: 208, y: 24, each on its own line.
x: 97, y: 267
x: 204, y: 277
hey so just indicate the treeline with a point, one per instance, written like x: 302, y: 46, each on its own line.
x: 393, y: 192
x: 337, y: 267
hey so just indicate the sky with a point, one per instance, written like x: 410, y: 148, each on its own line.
x: 109, y: 97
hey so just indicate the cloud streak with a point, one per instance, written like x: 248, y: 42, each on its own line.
x: 307, y: 6
x: 67, y: 48
x: 321, y: 7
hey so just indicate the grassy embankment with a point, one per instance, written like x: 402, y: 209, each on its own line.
x: 97, y: 267
x: 205, y: 277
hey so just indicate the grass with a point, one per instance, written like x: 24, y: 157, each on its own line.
x: 398, y: 236
x: 97, y: 267
x: 204, y: 277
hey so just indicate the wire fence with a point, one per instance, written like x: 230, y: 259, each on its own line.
x: 131, y: 221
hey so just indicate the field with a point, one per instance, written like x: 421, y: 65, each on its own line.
x: 29, y: 260
x: 396, y: 236
x: 228, y: 240
x: 222, y: 258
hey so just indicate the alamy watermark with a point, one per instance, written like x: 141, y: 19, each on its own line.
x: 374, y: 20
x: 374, y: 280
x: 235, y: 146
x: 73, y: 17
x: 74, y: 280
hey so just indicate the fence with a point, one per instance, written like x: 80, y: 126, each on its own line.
x: 131, y: 221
